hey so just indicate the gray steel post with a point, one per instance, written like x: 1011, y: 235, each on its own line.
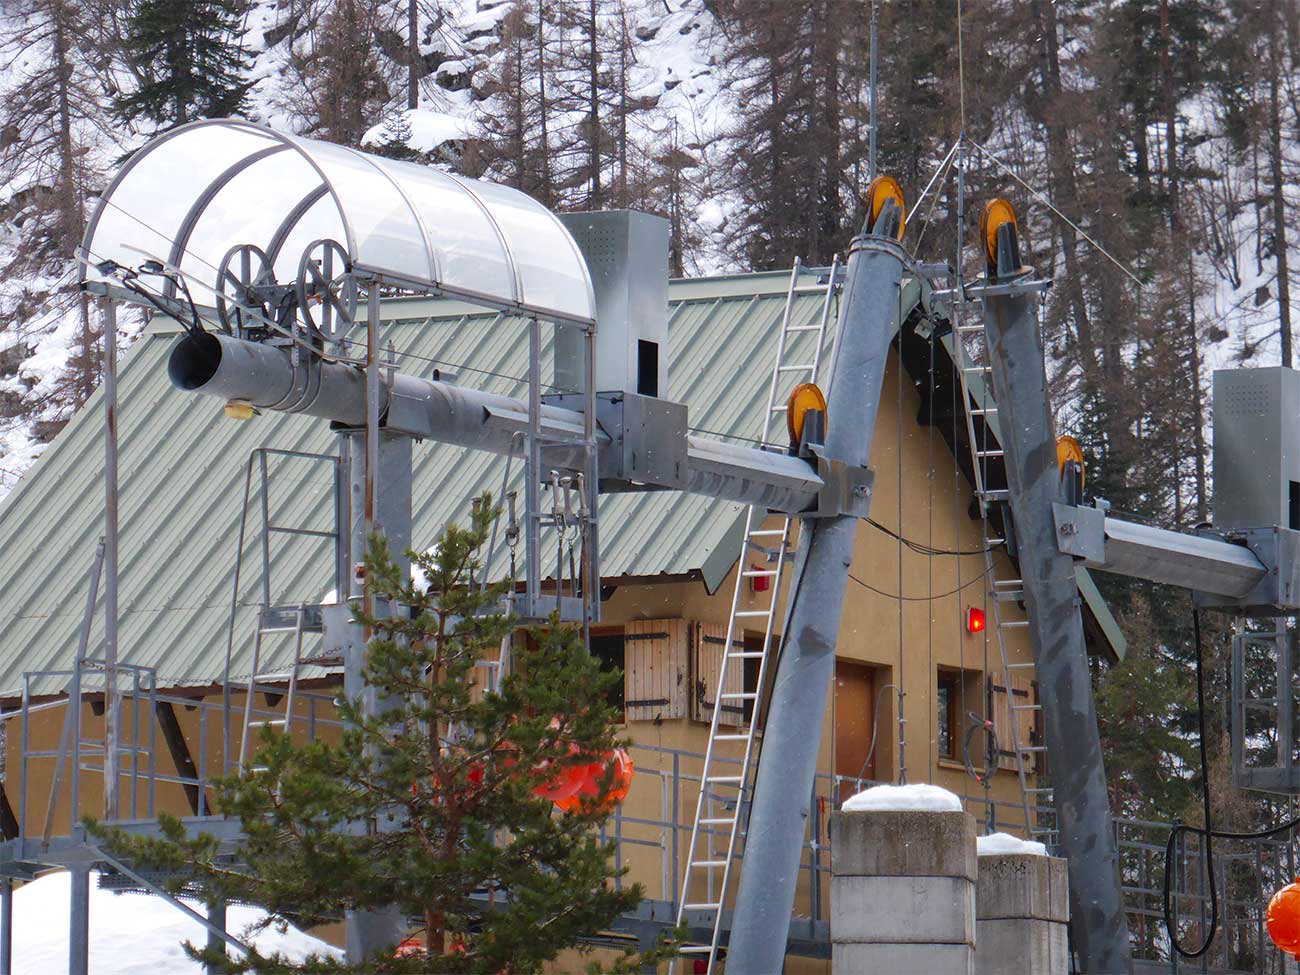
x: 1056, y: 629
x: 6, y: 926
x: 111, y: 716
x: 79, y: 920
x: 788, y: 762
x: 217, y: 919
x: 378, y: 458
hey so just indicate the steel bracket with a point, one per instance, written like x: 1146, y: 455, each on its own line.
x: 1080, y: 531
x: 846, y: 489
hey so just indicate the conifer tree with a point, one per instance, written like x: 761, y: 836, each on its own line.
x: 432, y: 805
x: 189, y: 59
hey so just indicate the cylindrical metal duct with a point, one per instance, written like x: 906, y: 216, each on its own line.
x: 266, y: 377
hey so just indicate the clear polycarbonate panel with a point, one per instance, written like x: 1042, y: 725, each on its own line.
x: 470, y: 254
x: 248, y: 209
x: 221, y: 184
x: 386, y: 234
x: 146, y: 208
x: 551, y: 270
x: 320, y: 222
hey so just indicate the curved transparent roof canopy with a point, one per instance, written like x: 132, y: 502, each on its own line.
x: 190, y: 195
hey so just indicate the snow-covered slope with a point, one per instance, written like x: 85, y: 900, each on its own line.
x: 674, y: 47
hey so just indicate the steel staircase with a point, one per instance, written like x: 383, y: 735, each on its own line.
x: 726, y: 784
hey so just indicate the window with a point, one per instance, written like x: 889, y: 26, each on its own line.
x: 607, y: 647
x: 948, y: 717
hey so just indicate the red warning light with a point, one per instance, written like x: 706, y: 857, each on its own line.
x: 974, y: 619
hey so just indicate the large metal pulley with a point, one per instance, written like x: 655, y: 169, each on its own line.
x: 327, y: 289
x: 242, y: 280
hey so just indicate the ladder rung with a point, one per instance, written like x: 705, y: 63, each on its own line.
x: 758, y: 573
x: 695, y: 949
x: 983, y: 411
x: 1014, y: 624
x: 996, y: 495
x: 746, y: 655
x: 767, y: 532
x: 1041, y: 790
x: 724, y: 779
x: 1026, y: 707
x: 1008, y: 595
x: 1020, y: 665
x: 269, y: 722
x: 1033, y: 748
x: 990, y: 453
x: 752, y: 613
x: 779, y: 409
x: 992, y: 542
x: 724, y: 821
x: 970, y: 328
x: 804, y: 328
x: 732, y: 737
x: 808, y: 289
x: 708, y: 864
x: 738, y: 696
x: 801, y: 367
x: 976, y: 368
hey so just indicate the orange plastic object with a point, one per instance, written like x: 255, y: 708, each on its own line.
x: 591, y: 778
x: 804, y: 397
x: 1283, y: 918
x: 997, y: 212
x: 884, y: 188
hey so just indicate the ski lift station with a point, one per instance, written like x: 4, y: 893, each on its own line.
x: 809, y: 593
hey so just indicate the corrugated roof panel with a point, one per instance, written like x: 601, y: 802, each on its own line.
x: 182, y: 471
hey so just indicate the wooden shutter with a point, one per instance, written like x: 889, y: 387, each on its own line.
x: 1022, y: 692
x: 654, y: 669
x: 709, y: 641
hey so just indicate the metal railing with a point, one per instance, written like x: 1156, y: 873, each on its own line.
x: 653, y: 838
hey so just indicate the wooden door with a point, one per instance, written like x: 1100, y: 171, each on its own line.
x: 854, y: 716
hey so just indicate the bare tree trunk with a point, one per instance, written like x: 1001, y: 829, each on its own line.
x: 595, y: 201
x: 1280, y: 242
x: 412, y: 53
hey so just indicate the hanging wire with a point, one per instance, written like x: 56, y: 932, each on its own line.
x: 919, y: 599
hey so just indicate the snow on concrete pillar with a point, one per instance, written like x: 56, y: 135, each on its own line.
x: 1022, y: 908
x: 903, y: 883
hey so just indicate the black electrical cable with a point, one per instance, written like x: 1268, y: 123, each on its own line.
x: 920, y: 548
x: 1208, y: 832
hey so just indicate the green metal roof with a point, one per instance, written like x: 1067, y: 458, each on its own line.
x: 182, y: 473
x: 182, y: 465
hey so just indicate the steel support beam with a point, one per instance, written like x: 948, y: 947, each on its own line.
x: 1056, y: 630
x: 791, y: 740
x: 264, y: 375
x: 6, y: 926
x: 1197, y: 562
x: 216, y: 920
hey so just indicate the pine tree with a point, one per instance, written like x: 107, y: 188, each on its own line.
x: 451, y: 771
x: 189, y: 59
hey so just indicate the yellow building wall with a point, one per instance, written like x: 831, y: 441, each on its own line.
x: 918, y: 493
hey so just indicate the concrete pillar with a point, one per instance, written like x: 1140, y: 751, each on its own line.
x: 902, y: 893
x: 1022, y: 909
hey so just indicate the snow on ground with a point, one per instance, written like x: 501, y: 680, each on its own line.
x: 130, y: 934
x: 914, y: 798
x: 997, y: 843
x: 429, y: 130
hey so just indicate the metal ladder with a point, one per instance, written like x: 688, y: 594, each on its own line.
x: 1001, y: 589
x: 723, y: 803
x: 274, y: 621
x: 271, y: 622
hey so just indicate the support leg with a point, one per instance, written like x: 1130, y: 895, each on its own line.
x: 6, y: 927
x: 788, y: 762
x: 217, y: 917
x: 79, y: 921
x: 1052, y: 601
